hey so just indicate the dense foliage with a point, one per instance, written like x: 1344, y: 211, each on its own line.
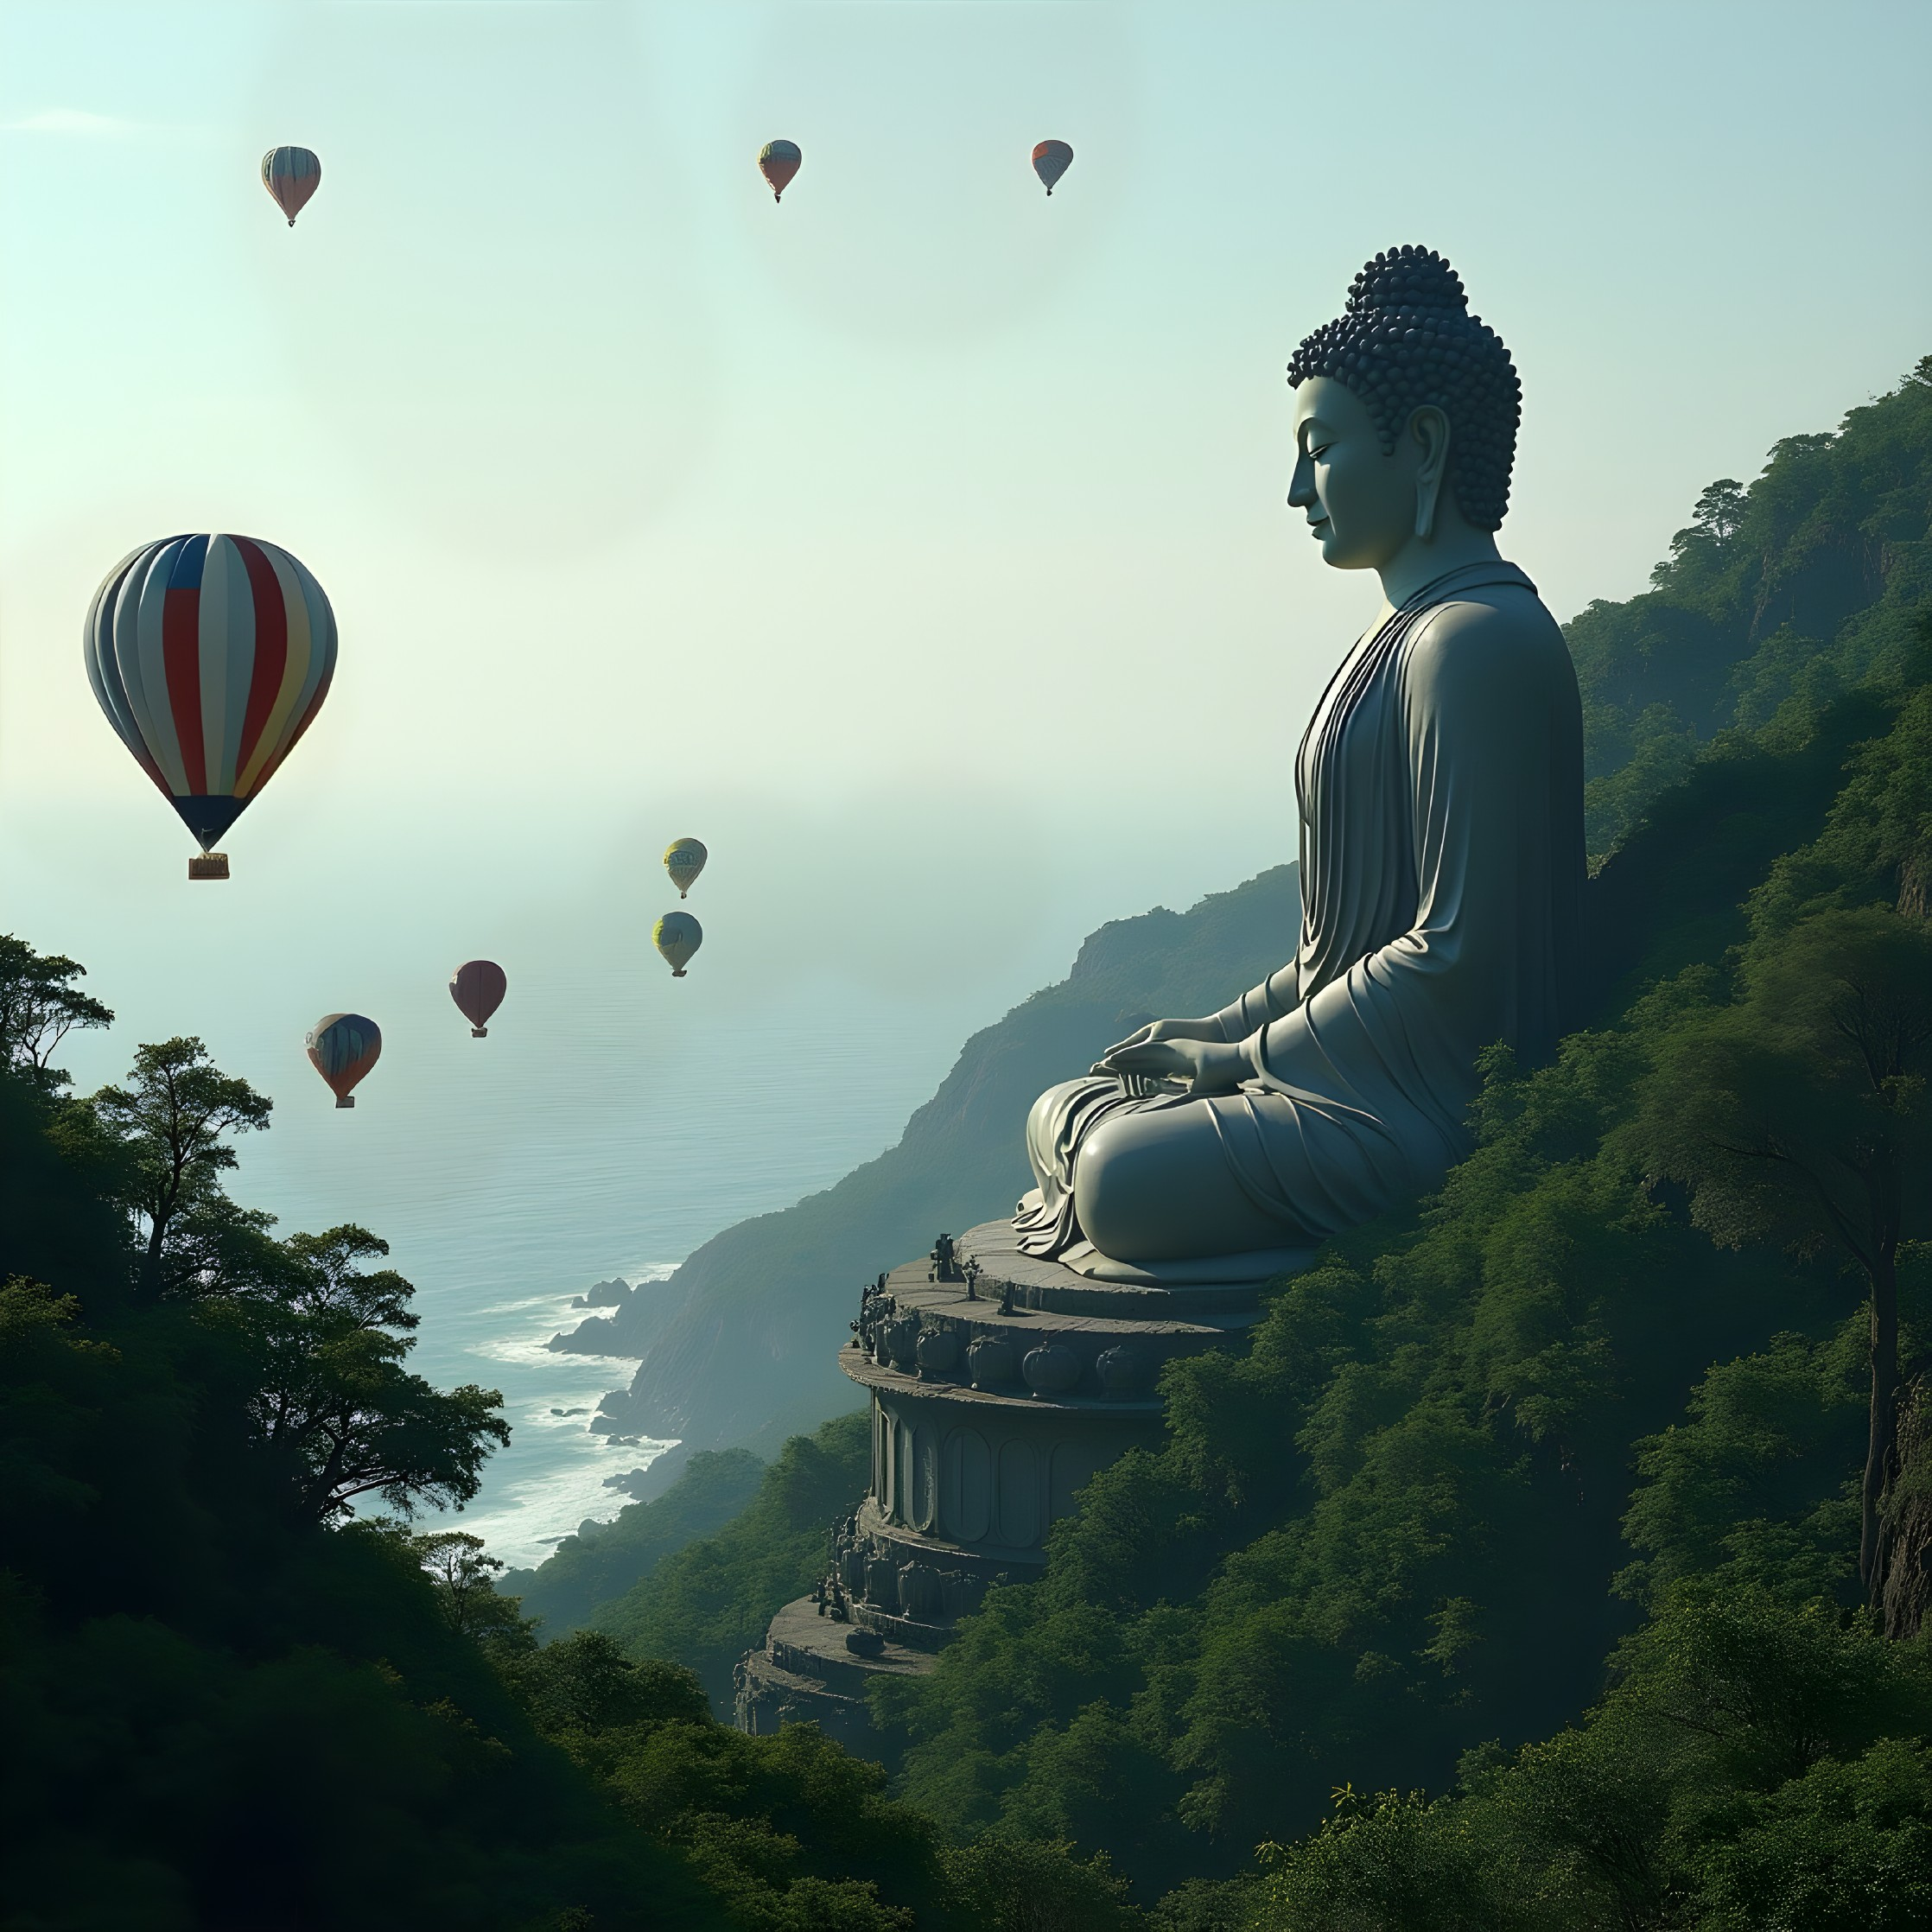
x: 705, y: 1605
x: 1644, y: 1382
x: 226, y: 1705
x: 1801, y: 587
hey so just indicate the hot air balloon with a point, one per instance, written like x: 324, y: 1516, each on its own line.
x: 1051, y: 159
x: 211, y: 656
x: 677, y: 936
x: 683, y: 860
x: 342, y: 1047
x: 291, y: 175
x: 477, y: 986
x: 778, y: 161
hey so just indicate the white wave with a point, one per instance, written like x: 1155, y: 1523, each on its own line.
x: 523, y: 1522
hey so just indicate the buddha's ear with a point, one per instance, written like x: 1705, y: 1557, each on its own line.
x: 1429, y: 428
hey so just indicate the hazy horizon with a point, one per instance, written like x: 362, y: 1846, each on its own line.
x: 919, y: 544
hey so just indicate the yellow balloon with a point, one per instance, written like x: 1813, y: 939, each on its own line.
x: 683, y: 860
x: 677, y: 936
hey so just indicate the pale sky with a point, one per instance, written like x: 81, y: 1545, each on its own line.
x: 919, y: 543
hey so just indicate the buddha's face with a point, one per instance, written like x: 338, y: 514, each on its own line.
x: 1360, y: 498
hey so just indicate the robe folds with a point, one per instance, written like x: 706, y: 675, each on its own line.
x: 1440, y: 790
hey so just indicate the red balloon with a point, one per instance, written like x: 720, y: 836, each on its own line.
x: 778, y: 161
x: 478, y: 988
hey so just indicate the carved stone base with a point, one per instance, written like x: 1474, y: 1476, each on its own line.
x: 995, y: 1398
x: 805, y: 1674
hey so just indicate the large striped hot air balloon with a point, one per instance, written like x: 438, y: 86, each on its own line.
x: 477, y: 986
x: 342, y: 1047
x: 291, y: 175
x: 210, y: 657
x: 684, y: 860
x: 1051, y: 159
x: 677, y: 936
x: 778, y: 161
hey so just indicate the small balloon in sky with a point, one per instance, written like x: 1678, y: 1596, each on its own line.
x: 342, y: 1047
x: 778, y: 161
x: 677, y: 936
x: 1051, y: 159
x: 210, y: 656
x: 477, y: 986
x: 291, y: 175
x: 684, y: 860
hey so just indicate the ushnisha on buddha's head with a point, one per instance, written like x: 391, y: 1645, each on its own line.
x: 1405, y: 422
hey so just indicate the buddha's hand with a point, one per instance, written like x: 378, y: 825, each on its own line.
x: 1155, y: 1030
x: 1209, y: 1065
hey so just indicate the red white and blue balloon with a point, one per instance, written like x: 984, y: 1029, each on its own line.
x: 211, y: 656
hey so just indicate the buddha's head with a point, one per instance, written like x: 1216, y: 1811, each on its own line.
x: 1405, y: 415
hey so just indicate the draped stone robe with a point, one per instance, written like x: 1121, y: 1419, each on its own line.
x: 1440, y: 787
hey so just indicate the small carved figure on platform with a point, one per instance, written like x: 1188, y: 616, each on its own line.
x: 970, y: 1271
x: 861, y: 1329
x: 1006, y: 1297
x: 945, y: 1261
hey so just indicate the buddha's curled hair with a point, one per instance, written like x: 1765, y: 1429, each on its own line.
x: 1406, y: 338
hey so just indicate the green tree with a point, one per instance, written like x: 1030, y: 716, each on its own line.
x: 330, y: 1398
x: 175, y: 1117
x: 40, y: 1006
x: 1720, y: 509
x: 1798, y: 1114
x: 464, y: 1576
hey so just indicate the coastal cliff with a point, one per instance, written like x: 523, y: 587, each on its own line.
x: 741, y: 1339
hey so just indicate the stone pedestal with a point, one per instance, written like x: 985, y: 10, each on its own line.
x: 1000, y: 1384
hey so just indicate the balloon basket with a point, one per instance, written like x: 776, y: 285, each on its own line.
x: 344, y: 1100
x: 678, y: 972
x: 208, y: 865
x: 479, y: 1032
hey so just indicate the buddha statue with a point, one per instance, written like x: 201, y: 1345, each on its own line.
x: 1439, y: 784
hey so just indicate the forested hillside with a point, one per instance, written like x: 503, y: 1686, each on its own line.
x: 1638, y: 1400
x: 1559, y: 1556
x: 1556, y: 1559
x: 227, y: 1708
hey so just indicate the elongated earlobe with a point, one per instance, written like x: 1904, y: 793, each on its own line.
x: 1427, y: 488
x: 1430, y: 428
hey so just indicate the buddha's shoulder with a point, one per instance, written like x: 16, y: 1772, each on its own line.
x: 1490, y: 631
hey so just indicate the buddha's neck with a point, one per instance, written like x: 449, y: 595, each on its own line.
x: 1423, y: 559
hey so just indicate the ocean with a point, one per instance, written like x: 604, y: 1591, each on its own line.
x: 506, y: 1212
x: 615, y: 1119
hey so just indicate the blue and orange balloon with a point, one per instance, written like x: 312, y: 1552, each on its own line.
x: 1051, y: 159
x: 477, y: 986
x: 342, y: 1047
x: 291, y: 175
x: 211, y: 656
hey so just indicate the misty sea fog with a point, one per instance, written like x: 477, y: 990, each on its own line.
x: 615, y: 1119
x: 507, y: 1209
